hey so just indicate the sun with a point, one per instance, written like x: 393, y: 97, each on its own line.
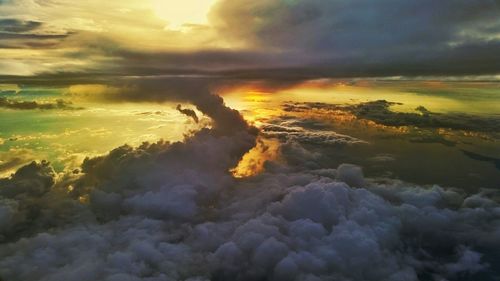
x: 179, y: 13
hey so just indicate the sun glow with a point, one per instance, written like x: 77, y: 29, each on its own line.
x: 179, y: 14
x: 253, y: 162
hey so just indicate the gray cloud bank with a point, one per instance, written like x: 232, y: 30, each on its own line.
x: 366, y: 36
x: 304, y: 39
x: 308, y: 39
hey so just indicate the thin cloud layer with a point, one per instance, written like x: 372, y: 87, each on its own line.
x: 380, y: 112
x: 28, y: 105
x: 287, y: 130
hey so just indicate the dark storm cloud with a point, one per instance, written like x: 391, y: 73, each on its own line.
x: 470, y: 58
x: 29, y: 105
x: 205, y: 60
x: 309, y: 39
x: 362, y: 27
x: 271, y: 69
x: 297, y: 40
x: 274, y: 70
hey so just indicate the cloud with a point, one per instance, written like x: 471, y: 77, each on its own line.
x: 29, y: 105
x: 199, y: 91
x: 30, y: 203
x: 9, y: 88
x: 188, y: 112
x: 273, y: 227
x: 370, y: 37
x: 265, y: 39
x: 380, y: 112
x: 17, y: 26
x: 290, y: 130
x: 16, y: 33
x: 171, y: 211
x: 480, y: 157
x: 174, y: 211
x: 14, y: 158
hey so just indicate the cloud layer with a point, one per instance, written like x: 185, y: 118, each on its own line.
x: 370, y: 37
x: 279, y: 226
x: 27, y: 105
x: 172, y: 211
x: 380, y: 112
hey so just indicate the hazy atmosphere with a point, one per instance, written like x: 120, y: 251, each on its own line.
x: 304, y: 140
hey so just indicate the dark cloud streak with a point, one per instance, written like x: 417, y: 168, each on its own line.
x: 188, y: 112
x: 380, y: 112
x: 30, y: 105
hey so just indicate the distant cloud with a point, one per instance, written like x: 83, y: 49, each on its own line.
x: 27, y: 105
x: 18, y: 26
x: 479, y: 157
x: 379, y: 111
x: 287, y: 130
x: 19, y: 34
x: 369, y: 36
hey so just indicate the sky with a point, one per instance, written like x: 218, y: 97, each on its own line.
x: 161, y: 140
x: 94, y: 40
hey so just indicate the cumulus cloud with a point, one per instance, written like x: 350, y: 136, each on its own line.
x: 172, y: 211
x: 30, y: 202
x: 277, y: 226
